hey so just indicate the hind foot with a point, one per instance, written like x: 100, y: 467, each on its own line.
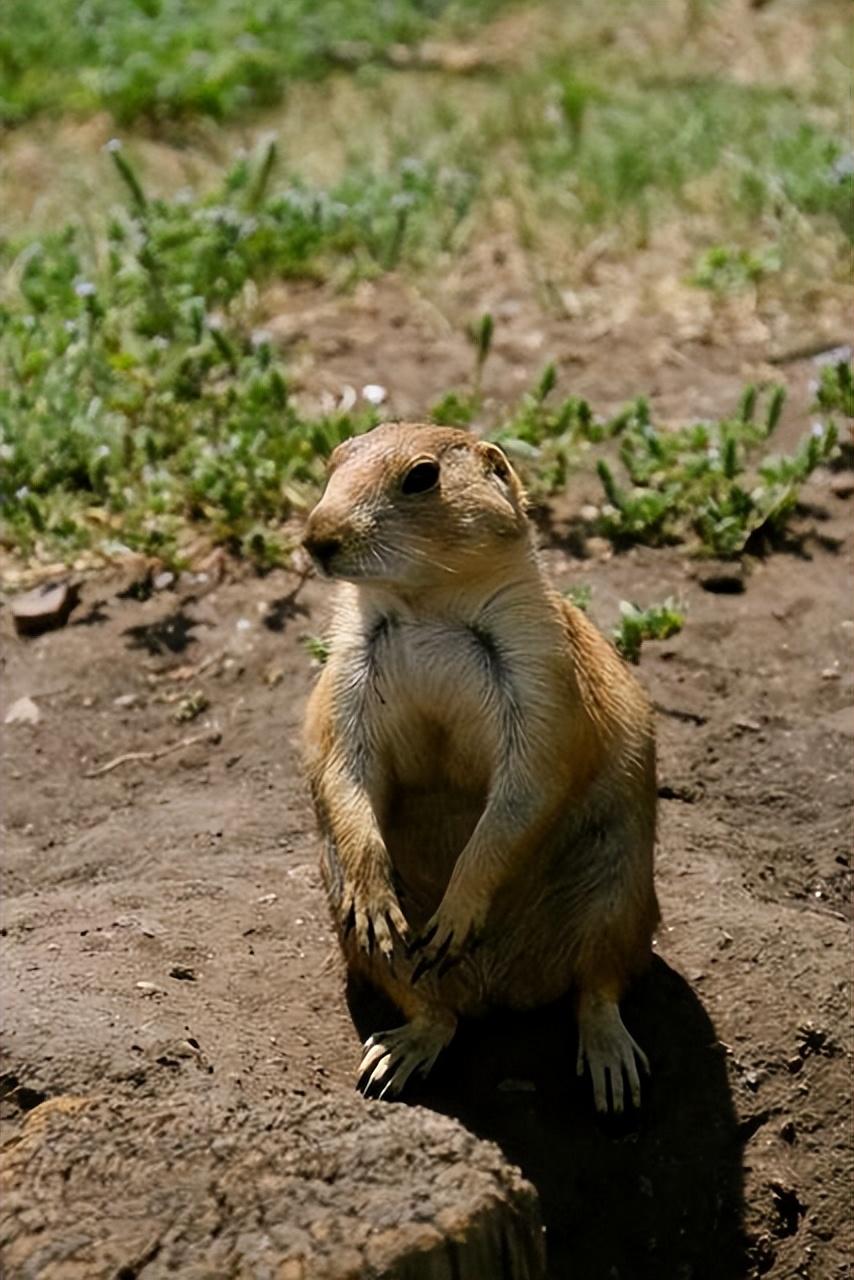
x: 609, y: 1051
x: 391, y: 1057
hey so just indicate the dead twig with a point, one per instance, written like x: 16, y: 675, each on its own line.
x: 819, y: 347
x: 148, y: 757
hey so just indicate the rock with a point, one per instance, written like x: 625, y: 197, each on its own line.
x: 323, y: 1188
x: 161, y: 581
x: 598, y: 548
x: 44, y: 609
x: 149, y: 989
x: 126, y: 700
x: 842, y: 485
x: 23, y: 711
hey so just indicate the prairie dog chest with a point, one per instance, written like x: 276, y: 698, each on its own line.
x: 432, y: 698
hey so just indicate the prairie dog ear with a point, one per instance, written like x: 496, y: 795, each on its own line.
x: 496, y: 460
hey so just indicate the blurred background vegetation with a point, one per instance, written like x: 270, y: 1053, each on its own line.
x: 169, y: 166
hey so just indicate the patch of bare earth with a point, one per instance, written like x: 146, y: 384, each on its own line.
x: 166, y: 943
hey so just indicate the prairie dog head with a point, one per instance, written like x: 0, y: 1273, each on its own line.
x: 416, y: 506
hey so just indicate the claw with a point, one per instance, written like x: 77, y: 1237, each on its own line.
x: 610, y: 1053
x: 384, y: 1066
x: 426, y: 963
x: 392, y: 1057
x: 423, y: 939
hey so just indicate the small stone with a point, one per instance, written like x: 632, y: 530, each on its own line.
x: 183, y: 973
x: 842, y: 485
x: 126, y: 700
x: 149, y: 989
x: 44, y: 609
x: 752, y: 726
x: 161, y: 581
x: 347, y: 399
x: 598, y: 548
x: 267, y: 898
x: 374, y: 393
x: 23, y: 711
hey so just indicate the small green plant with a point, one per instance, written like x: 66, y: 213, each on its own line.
x: 575, y: 97
x: 580, y: 595
x: 835, y: 393
x: 482, y: 338
x: 658, y: 622
x: 725, y: 269
x: 459, y: 408
x: 710, y: 484
x: 549, y: 440
x: 190, y: 707
x: 455, y: 409
x: 317, y: 647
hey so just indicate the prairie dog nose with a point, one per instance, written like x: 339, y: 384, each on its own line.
x: 322, y: 548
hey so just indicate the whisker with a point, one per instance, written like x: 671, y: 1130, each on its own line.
x: 416, y: 556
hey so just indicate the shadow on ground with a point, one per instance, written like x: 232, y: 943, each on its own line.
x: 172, y: 634
x: 656, y: 1195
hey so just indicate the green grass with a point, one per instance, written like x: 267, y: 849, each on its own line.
x: 633, y: 150
x: 717, y: 486
x: 163, y: 59
x: 136, y: 403
x: 657, y: 622
x: 727, y: 269
x: 137, y: 406
x: 598, y: 125
x: 136, y: 399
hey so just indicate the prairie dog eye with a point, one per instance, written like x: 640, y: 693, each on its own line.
x: 421, y: 477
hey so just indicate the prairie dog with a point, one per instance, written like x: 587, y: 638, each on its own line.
x: 482, y: 763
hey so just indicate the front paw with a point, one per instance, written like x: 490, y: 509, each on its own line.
x: 454, y: 929
x: 373, y: 914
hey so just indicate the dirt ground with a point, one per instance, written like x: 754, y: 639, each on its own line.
x: 164, y: 927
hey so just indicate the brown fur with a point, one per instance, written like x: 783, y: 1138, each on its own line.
x: 479, y: 756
